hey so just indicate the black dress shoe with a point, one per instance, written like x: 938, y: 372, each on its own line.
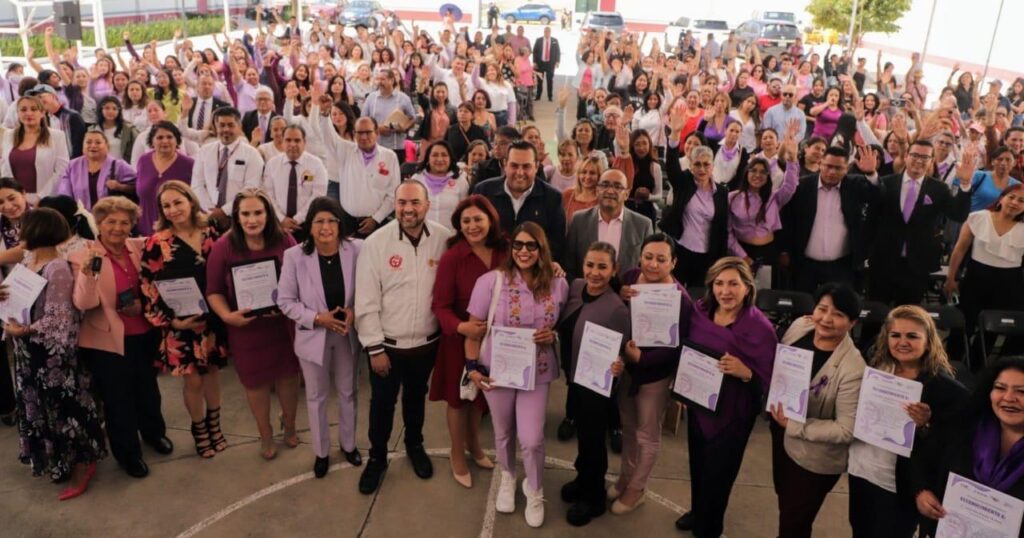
x: 420, y: 462
x: 685, y: 522
x: 567, y: 429
x: 320, y: 466
x: 615, y: 440
x: 372, y: 476
x: 354, y: 457
x: 162, y: 445
x: 136, y: 468
x: 582, y: 512
x: 571, y: 492
x: 8, y: 419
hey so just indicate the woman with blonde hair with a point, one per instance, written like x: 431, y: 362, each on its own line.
x: 884, y: 486
x: 584, y: 194
x: 192, y: 347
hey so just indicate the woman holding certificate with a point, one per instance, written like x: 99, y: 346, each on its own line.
x: 520, y: 301
x: 13, y: 206
x: 882, y: 484
x: 728, y: 327
x: 192, y: 341
x: 115, y: 337
x: 58, y: 426
x: 592, y: 318
x: 317, y: 290
x: 985, y: 445
x: 241, y: 275
x: 808, y: 458
x: 477, y: 247
x: 644, y: 388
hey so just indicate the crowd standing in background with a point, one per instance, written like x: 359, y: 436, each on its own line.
x: 396, y: 183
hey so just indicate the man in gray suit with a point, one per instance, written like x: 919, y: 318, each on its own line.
x: 612, y: 222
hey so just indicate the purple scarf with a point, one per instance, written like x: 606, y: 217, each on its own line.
x: 368, y: 156
x: 435, y: 184
x: 989, y: 469
x: 752, y: 339
x: 727, y: 153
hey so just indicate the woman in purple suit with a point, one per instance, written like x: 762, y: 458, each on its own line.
x: 260, y: 339
x: 316, y: 292
x: 96, y: 173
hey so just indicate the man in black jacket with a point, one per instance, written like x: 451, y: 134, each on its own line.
x: 261, y: 116
x: 908, y: 246
x: 519, y: 197
x: 823, y: 225
x: 546, y: 57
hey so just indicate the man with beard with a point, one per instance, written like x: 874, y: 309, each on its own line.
x: 394, y: 281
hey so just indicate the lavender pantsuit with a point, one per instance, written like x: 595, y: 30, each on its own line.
x: 301, y: 297
x: 520, y: 413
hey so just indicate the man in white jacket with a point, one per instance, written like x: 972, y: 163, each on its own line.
x: 394, y: 286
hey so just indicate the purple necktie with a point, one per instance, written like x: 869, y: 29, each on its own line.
x: 908, y: 203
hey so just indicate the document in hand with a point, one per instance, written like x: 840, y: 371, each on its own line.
x: 182, y: 295
x: 973, y: 509
x: 791, y: 381
x: 698, y: 378
x: 599, y: 348
x: 513, y: 357
x: 655, y: 315
x: 881, y: 419
x: 23, y: 288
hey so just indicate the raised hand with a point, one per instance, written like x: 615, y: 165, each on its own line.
x: 867, y: 161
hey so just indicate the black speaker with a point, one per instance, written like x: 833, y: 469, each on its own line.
x: 67, y: 20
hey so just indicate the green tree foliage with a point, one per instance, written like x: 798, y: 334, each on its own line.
x: 872, y: 15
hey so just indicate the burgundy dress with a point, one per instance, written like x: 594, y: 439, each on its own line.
x: 148, y: 182
x: 457, y: 273
x: 263, y: 350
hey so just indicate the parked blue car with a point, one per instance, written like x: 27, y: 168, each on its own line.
x: 541, y: 13
x: 360, y: 12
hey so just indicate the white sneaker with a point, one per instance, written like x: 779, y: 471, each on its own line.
x: 534, y: 505
x: 506, y: 501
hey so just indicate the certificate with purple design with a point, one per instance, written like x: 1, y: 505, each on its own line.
x: 256, y: 285
x: 599, y: 348
x: 974, y: 510
x: 698, y: 378
x: 23, y: 288
x: 791, y: 381
x: 655, y: 315
x: 513, y: 357
x: 881, y: 419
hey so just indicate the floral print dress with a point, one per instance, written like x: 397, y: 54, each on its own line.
x: 188, y: 351
x: 58, y: 423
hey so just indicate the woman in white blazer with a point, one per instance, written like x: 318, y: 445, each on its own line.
x: 34, y: 154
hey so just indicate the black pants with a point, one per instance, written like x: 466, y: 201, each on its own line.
x: 7, y: 400
x: 573, y: 405
x: 768, y: 255
x: 130, y: 394
x: 410, y: 372
x: 801, y: 492
x: 811, y: 274
x: 691, y: 267
x: 898, y: 284
x: 548, y: 71
x: 877, y: 513
x: 591, y: 430
x: 714, y: 465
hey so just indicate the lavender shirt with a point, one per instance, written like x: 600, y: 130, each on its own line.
x: 743, y: 209
x: 75, y: 181
x: 517, y: 307
x: 697, y: 221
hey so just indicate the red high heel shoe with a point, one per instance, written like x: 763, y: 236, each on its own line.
x: 71, y: 491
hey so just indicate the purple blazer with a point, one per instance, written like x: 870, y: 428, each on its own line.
x: 75, y: 181
x: 300, y: 295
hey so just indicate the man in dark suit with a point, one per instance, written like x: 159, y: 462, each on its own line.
x: 199, y: 120
x: 260, y: 118
x: 823, y: 225
x: 612, y: 222
x: 519, y: 197
x: 546, y: 57
x: 907, y: 245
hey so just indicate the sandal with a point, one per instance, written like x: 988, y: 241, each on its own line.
x: 291, y: 439
x: 268, y: 451
x: 201, y: 435
x: 216, y: 435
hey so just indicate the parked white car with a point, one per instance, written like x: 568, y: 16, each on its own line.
x: 700, y: 29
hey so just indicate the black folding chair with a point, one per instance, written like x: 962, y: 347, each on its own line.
x: 872, y: 316
x: 782, y: 307
x: 1005, y: 323
x: 950, y: 319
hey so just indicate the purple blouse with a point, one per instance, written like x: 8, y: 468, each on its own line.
x: 744, y: 207
x: 517, y: 307
x: 148, y: 181
x: 75, y: 180
x: 697, y: 221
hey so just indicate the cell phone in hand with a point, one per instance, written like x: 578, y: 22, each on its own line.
x: 125, y: 298
x: 96, y: 264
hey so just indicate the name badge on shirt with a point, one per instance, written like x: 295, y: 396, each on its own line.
x: 240, y: 163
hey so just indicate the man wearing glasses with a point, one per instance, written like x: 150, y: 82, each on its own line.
x: 779, y: 116
x: 907, y: 245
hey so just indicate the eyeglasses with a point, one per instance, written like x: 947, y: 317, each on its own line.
x: 788, y: 94
x: 530, y: 246
x: 325, y: 222
x: 919, y: 156
x: 365, y: 132
x: 700, y: 165
x: 611, y: 186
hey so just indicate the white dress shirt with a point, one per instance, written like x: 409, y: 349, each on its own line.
x: 312, y: 183
x: 517, y: 203
x: 828, y: 240
x: 610, y: 231
x: 244, y: 169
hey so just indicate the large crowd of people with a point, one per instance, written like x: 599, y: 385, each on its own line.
x: 397, y: 184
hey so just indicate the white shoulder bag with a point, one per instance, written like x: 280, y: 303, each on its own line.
x: 467, y: 388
